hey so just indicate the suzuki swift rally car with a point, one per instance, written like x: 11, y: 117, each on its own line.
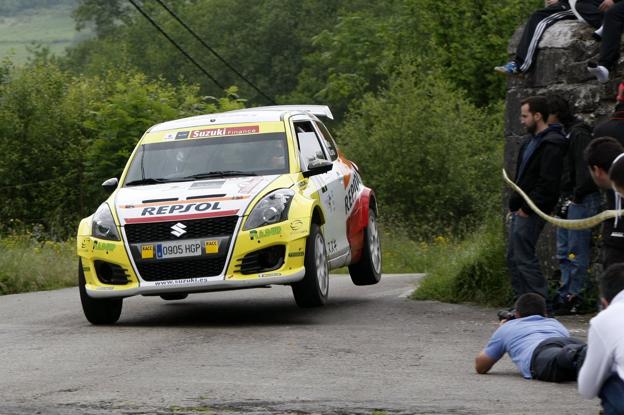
x: 241, y: 199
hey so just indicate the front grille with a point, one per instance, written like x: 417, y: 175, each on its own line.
x: 177, y: 270
x: 197, y: 228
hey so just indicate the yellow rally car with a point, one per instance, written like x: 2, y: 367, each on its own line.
x: 241, y: 199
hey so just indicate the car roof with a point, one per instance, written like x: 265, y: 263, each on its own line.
x: 258, y: 114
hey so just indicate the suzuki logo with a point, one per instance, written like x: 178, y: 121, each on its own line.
x: 178, y: 229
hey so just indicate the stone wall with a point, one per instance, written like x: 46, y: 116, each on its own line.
x: 559, y: 67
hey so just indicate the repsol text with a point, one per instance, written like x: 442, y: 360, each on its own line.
x: 190, y: 207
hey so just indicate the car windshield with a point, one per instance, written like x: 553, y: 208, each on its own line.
x: 192, y: 159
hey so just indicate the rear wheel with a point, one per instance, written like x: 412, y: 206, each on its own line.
x: 313, y: 289
x: 173, y: 297
x: 368, y: 270
x: 98, y: 310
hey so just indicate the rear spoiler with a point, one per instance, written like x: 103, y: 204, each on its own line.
x: 318, y: 110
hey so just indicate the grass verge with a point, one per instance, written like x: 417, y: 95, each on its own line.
x: 28, y: 265
x: 472, y: 270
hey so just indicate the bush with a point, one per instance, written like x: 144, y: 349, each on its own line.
x: 471, y: 271
x: 431, y: 156
x: 61, y: 136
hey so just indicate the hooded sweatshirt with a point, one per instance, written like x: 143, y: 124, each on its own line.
x: 538, y: 173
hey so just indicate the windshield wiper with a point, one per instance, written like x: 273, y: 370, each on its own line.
x: 220, y: 173
x: 149, y: 180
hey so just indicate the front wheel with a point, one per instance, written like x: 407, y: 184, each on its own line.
x: 368, y: 270
x: 98, y: 310
x: 313, y: 289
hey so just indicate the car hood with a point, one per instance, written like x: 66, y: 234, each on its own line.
x: 188, y: 200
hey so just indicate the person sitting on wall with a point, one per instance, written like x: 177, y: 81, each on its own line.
x: 613, y: 25
x: 540, y: 347
x: 590, y: 11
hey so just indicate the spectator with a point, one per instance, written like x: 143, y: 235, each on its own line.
x: 540, y: 347
x: 538, y: 173
x: 613, y: 25
x: 590, y: 11
x: 581, y: 199
x: 602, y: 373
x: 600, y: 155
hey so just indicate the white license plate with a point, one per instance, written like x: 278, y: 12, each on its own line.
x: 178, y: 249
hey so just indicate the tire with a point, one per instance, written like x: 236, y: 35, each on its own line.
x: 173, y: 297
x: 98, y: 311
x: 313, y: 289
x: 368, y: 270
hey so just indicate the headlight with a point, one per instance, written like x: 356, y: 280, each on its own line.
x: 272, y: 208
x: 103, y: 225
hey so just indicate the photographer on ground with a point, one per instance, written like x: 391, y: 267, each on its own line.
x: 540, y: 347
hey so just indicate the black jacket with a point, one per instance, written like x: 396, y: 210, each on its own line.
x: 576, y: 180
x: 612, y: 127
x: 541, y: 176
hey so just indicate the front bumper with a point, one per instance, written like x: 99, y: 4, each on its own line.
x: 122, y: 258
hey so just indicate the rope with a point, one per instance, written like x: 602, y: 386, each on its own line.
x: 563, y: 223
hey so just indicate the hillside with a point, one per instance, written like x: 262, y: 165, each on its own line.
x: 49, y: 25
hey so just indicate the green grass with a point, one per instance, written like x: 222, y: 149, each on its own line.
x: 27, y: 265
x: 52, y: 27
x: 472, y: 270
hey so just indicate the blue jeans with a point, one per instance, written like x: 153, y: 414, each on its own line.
x: 523, y: 264
x: 612, y: 396
x: 574, y: 248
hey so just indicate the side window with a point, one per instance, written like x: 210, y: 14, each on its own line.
x: 309, y: 145
x: 329, y: 141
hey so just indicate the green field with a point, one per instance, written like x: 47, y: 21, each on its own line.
x: 52, y: 27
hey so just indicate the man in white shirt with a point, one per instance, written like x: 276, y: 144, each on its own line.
x: 602, y: 373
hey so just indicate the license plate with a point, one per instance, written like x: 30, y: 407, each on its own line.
x: 178, y: 249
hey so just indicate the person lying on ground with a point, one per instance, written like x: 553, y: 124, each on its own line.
x: 540, y: 347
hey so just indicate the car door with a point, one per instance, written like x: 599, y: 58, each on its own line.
x: 330, y: 187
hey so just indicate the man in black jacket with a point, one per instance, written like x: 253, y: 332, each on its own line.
x: 582, y: 199
x: 538, y: 173
x: 600, y: 158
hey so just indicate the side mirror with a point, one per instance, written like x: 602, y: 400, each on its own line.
x: 110, y: 184
x: 318, y: 166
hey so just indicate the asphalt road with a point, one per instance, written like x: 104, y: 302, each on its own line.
x: 255, y: 352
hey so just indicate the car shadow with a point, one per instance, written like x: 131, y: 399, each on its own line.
x: 233, y: 313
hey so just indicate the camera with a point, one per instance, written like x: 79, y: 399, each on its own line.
x: 506, y: 315
x: 562, y: 207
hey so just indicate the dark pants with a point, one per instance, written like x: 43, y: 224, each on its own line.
x: 524, y: 267
x: 588, y: 9
x: 535, y: 27
x: 612, y: 396
x: 558, y: 359
x: 611, y: 35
